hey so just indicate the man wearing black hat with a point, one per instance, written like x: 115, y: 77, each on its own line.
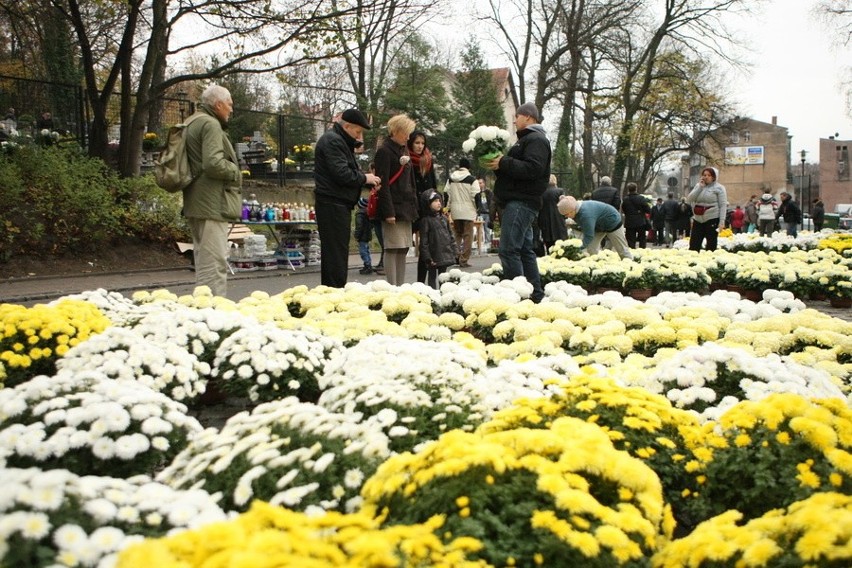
x: 338, y: 182
x: 522, y: 178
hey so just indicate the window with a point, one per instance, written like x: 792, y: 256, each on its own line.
x: 842, y: 162
x: 746, y: 136
x: 735, y: 137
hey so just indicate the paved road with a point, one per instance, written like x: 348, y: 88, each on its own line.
x: 29, y: 291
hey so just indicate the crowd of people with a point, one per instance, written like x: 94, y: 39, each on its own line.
x: 407, y: 209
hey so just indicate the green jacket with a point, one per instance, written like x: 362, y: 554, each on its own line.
x: 215, y: 193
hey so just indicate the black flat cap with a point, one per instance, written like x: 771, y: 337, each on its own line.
x: 355, y: 116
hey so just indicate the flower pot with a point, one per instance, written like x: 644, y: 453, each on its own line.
x: 752, y: 294
x: 641, y: 294
x: 839, y: 302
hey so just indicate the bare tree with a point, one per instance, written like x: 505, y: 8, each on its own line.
x: 682, y: 25
x: 836, y: 16
x: 132, y: 56
x: 370, y: 34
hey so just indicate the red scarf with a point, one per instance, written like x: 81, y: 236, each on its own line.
x: 422, y: 161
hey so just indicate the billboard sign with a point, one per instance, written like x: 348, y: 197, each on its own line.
x: 743, y: 155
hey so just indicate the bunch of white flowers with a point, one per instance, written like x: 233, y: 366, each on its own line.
x: 90, y: 424
x: 121, y: 353
x: 262, y: 362
x: 710, y: 379
x: 486, y: 142
x: 285, y: 452
x: 55, y: 518
x: 412, y: 390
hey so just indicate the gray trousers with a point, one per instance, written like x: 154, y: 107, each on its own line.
x: 210, y: 251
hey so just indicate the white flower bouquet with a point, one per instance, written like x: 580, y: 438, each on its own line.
x: 90, y: 424
x: 55, y: 518
x: 285, y: 452
x: 486, y: 142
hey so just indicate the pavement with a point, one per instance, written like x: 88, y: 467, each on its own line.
x: 28, y: 291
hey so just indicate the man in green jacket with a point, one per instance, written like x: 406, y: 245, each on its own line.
x: 213, y: 200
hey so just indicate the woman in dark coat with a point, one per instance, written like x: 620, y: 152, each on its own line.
x: 636, y: 211
x: 425, y: 184
x: 397, y: 199
x: 551, y: 222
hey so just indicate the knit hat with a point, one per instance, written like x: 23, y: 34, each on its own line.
x: 362, y: 202
x: 567, y: 206
x: 433, y: 196
x: 529, y: 109
x: 766, y: 197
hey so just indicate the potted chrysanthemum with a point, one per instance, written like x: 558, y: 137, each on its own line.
x: 837, y: 285
x: 486, y: 142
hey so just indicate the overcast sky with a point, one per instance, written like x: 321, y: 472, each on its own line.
x: 796, y: 74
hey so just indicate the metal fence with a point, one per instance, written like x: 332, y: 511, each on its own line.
x: 265, y: 140
x: 24, y: 102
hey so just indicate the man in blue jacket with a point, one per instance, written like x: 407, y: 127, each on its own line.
x: 338, y: 183
x: 522, y: 178
x: 596, y: 220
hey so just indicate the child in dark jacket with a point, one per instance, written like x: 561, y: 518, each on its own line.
x: 363, y: 234
x: 438, y: 248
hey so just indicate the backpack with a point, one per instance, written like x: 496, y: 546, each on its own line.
x: 172, y: 171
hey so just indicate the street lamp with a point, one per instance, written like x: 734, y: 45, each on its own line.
x: 182, y: 105
x: 802, y: 186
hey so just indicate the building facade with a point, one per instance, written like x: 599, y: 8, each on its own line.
x: 752, y: 157
x: 835, y: 186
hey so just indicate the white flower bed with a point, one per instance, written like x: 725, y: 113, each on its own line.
x: 413, y: 390
x: 121, y: 353
x: 710, y: 379
x: 285, y: 452
x: 89, y: 519
x: 262, y: 362
x: 90, y: 424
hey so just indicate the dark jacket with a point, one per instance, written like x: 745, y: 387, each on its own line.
x: 363, y: 232
x: 818, y: 212
x: 524, y: 172
x: 672, y: 209
x: 658, y: 216
x: 789, y: 211
x: 436, y: 241
x: 396, y: 200
x: 422, y: 181
x: 635, y: 208
x: 551, y: 222
x: 337, y: 176
x: 483, y: 207
x: 609, y: 195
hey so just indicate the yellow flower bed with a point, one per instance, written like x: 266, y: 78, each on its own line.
x: 31, y: 339
x: 556, y: 496
x: 273, y: 537
x: 816, y: 531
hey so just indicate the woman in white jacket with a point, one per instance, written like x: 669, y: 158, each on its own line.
x: 709, y: 201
